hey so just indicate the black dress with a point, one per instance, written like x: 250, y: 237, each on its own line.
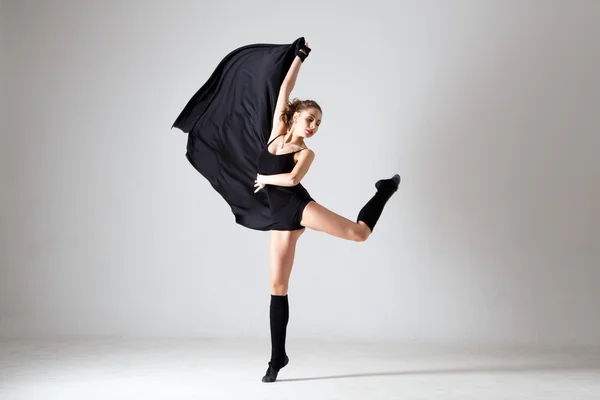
x: 229, y: 121
x: 286, y: 202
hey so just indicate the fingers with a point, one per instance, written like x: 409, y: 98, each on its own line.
x: 258, y: 186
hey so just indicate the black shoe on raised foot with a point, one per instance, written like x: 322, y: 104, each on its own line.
x: 271, y: 374
x: 391, y: 183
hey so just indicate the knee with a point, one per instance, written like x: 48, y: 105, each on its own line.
x: 279, y: 288
x: 359, y: 233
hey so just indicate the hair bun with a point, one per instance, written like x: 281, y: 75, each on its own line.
x: 296, y: 105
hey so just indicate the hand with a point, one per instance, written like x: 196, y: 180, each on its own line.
x: 302, y: 50
x: 258, y: 183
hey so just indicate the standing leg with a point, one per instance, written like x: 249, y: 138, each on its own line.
x: 282, y: 252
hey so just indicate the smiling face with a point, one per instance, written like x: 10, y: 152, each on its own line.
x: 307, y: 122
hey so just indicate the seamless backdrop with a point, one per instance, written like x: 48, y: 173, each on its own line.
x: 488, y: 110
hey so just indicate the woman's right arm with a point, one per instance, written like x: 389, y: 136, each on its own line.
x: 290, y: 80
x: 284, y: 94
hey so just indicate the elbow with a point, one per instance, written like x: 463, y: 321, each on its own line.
x: 294, y: 180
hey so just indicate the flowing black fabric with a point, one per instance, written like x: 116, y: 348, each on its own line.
x: 229, y: 121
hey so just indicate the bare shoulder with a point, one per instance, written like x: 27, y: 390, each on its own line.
x: 304, y: 154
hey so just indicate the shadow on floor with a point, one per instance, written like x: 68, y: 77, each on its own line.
x: 592, y: 365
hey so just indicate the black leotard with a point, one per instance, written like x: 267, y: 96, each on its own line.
x: 286, y: 202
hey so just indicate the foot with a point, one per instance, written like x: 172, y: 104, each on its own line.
x: 271, y: 374
x: 391, y: 183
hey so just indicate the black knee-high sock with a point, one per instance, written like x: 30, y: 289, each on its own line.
x: 279, y: 315
x: 371, y: 211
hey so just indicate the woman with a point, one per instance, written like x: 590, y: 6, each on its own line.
x: 226, y: 122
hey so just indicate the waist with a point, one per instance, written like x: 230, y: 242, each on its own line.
x: 280, y: 196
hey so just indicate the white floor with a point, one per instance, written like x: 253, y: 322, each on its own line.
x: 231, y: 369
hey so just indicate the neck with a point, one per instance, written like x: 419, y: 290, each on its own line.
x: 291, y: 138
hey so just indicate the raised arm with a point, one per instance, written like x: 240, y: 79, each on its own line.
x: 284, y: 94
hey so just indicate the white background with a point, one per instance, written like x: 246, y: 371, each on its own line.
x: 488, y: 109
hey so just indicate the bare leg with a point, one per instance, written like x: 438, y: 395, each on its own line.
x: 281, y: 256
x: 319, y: 218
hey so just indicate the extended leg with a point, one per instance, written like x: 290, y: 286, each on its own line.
x: 319, y: 218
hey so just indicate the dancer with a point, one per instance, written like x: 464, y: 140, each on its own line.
x: 226, y: 120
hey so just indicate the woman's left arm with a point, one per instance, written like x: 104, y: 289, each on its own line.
x: 291, y: 178
x: 275, y: 180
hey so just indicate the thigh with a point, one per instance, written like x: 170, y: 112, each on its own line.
x: 282, y: 250
x: 319, y: 218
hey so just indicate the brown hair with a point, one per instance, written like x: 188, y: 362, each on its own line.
x: 296, y: 105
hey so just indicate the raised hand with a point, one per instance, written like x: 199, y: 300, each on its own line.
x: 303, y: 51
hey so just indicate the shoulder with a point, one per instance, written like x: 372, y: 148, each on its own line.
x: 305, y: 153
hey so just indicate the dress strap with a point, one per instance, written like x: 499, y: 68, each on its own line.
x: 274, y: 139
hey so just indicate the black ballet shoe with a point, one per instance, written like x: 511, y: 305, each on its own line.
x: 391, y: 183
x: 271, y: 374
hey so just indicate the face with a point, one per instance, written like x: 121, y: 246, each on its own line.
x: 307, y: 122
